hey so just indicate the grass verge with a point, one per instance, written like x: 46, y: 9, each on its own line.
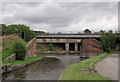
x: 25, y: 61
x: 81, y: 71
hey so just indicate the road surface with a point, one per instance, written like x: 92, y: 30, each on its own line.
x: 108, y: 67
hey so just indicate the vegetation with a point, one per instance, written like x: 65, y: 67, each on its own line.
x: 81, y: 71
x: 7, y: 45
x: 17, y: 29
x: 45, y: 48
x: 7, y: 52
x: 3, y: 28
x: 20, y: 50
x: 9, y: 40
x: 110, y: 41
x: 105, y: 43
x: 87, y: 31
x: 40, y: 32
x: 25, y: 61
x: 101, y: 32
x: 51, y: 47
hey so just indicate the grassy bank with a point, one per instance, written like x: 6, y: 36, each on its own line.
x: 7, y: 44
x: 9, y: 51
x: 81, y: 71
x: 25, y: 61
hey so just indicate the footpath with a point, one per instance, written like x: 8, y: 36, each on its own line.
x: 108, y: 67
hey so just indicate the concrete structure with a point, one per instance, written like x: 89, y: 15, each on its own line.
x: 69, y: 36
x: 76, y: 40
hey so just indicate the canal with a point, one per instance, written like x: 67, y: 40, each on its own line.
x: 48, y: 69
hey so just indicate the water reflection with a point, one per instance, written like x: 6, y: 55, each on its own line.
x: 47, y: 69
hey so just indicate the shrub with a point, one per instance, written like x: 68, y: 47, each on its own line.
x: 51, y: 47
x: 105, y: 43
x: 20, y: 50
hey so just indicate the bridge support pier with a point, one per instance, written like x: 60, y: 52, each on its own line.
x: 67, y: 46
x: 76, y: 46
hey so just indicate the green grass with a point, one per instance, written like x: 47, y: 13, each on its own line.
x: 76, y: 72
x: 9, y: 51
x: 25, y: 61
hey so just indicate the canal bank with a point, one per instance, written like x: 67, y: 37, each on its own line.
x: 8, y: 67
x: 48, y: 69
x: 84, y: 70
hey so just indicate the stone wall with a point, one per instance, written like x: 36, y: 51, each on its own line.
x: 31, y: 48
x: 91, y: 48
x: 11, y: 58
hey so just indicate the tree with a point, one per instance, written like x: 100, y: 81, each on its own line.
x: 2, y: 28
x: 101, y: 32
x: 40, y: 32
x: 105, y: 43
x: 17, y: 29
x: 87, y: 31
x: 112, y: 39
x: 117, y: 44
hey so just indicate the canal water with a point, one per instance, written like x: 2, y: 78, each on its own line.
x: 48, y: 69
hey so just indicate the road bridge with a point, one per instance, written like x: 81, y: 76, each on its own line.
x: 71, y: 42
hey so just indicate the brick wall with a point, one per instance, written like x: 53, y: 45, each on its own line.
x: 31, y: 48
x: 91, y: 47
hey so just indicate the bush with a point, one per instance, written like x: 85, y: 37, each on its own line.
x: 20, y: 50
x: 51, y: 47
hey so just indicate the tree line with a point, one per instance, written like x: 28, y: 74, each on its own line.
x: 110, y: 41
x: 17, y: 29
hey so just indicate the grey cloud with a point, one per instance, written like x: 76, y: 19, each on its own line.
x: 61, y: 14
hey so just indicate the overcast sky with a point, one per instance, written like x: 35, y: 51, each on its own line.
x: 62, y: 16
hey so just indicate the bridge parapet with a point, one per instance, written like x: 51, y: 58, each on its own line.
x: 75, y: 36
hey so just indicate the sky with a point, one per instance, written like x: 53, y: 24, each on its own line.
x: 62, y: 16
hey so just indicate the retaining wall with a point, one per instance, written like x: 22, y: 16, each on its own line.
x: 31, y: 48
x: 11, y: 58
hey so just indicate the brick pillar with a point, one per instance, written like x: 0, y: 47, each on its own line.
x: 76, y: 46
x: 67, y: 46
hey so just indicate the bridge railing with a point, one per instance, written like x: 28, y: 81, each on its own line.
x: 68, y: 32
